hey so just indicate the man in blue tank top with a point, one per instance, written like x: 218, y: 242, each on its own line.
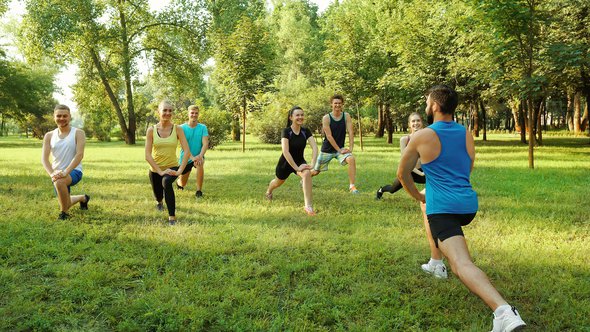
x: 447, y: 151
x: 336, y: 125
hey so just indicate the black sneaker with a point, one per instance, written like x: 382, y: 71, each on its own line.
x: 160, y: 206
x: 171, y: 222
x: 199, y: 194
x: 379, y: 194
x: 84, y: 205
x: 179, y: 187
x: 63, y: 216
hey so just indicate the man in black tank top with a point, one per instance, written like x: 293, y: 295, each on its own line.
x: 335, y: 126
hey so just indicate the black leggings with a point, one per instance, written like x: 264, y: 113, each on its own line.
x: 396, y: 185
x: 162, y: 187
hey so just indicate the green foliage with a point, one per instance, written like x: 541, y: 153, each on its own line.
x: 26, y: 95
x: 218, y: 124
x: 237, y: 262
x: 269, y: 124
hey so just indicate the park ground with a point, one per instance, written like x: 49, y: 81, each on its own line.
x: 236, y: 262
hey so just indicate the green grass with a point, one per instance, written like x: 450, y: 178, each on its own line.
x: 236, y: 262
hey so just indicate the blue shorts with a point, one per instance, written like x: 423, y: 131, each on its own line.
x: 76, y: 176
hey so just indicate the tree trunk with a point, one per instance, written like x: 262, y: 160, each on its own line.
x: 522, y: 120
x: 569, y: 114
x: 531, y: 134
x: 539, y: 129
x: 109, y: 90
x: 381, y: 122
x: 474, y: 119
x: 483, y: 115
x: 577, y: 112
x: 235, y: 128
x: 244, y: 121
x: 130, y: 132
x: 586, y: 112
x: 389, y: 122
x: 358, y: 113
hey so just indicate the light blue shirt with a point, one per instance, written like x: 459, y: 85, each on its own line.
x: 194, y: 137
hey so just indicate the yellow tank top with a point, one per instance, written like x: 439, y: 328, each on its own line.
x: 164, y: 149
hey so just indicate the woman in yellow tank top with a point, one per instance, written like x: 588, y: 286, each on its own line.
x: 161, y: 141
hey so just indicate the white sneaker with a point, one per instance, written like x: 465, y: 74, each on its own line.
x: 508, y: 322
x: 438, y: 271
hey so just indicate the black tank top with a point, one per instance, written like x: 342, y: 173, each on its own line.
x: 338, y: 128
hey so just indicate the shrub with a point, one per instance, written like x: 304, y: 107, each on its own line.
x: 268, y: 125
x: 218, y: 124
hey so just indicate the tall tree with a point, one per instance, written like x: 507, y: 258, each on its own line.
x: 111, y: 36
x: 243, y: 60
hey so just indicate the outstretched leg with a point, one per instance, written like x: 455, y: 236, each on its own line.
x: 455, y: 249
x: 274, y: 184
x: 435, y: 252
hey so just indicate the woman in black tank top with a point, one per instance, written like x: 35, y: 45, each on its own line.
x: 293, y: 141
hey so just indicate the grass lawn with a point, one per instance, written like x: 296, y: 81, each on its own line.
x: 237, y: 262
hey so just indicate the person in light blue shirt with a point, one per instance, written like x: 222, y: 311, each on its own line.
x: 198, y: 141
x: 447, y: 152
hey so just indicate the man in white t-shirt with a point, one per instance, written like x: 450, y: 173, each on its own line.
x: 66, y: 145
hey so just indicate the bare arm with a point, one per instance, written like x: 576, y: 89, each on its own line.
x: 184, y: 144
x: 198, y: 159
x: 470, y: 145
x: 80, y: 145
x: 328, y: 132
x: 403, y: 143
x: 406, y: 165
x: 314, y: 150
x: 149, y: 141
x: 45, y: 154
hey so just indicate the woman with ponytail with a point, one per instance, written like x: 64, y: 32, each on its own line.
x: 293, y: 140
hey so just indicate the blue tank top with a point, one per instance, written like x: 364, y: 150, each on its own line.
x: 448, y: 189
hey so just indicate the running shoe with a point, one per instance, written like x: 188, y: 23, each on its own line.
x: 379, y: 194
x: 63, y: 216
x: 84, y: 205
x: 160, y: 206
x: 509, y: 321
x: 199, y: 194
x: 171, y: 222
x: 438, y: 271
x: 179, y: 187
x: 268, y: 196
x: 309, y: 210
x: 353, y: 190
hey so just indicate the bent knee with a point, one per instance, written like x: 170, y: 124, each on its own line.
x: 350, y: 159
x: 63, y: 182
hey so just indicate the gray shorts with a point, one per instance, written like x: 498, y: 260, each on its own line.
x: 324, y: 159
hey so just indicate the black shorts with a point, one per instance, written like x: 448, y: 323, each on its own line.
x: 187, y: 168
x: 446, y: 225
x: 283, y: 171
